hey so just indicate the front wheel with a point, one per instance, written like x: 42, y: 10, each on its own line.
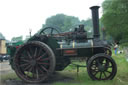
x: 34, y: 62
x: 101, y: 67
x: 107, y: 51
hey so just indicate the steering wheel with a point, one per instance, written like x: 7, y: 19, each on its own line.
x: 49, y: 31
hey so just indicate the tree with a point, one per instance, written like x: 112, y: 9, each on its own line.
x: 61, y: 22
x: 115, y: 19
x: 88, y: 26
x: 66, y: 23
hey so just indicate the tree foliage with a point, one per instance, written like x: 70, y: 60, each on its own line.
x: 61, y: 22
x: 88, y: 26
x: 66, y: 23
x: 115, y: 19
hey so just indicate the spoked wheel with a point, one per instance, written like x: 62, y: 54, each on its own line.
x: 107, y: 51
x: 101, y: 70
x: 87, y: 59
x: 34, y: 62
x: 49, y: 31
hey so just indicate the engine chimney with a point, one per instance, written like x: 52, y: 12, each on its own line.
x: 95, y: 18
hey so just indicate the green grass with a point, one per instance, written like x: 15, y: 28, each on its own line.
x: 83, y: 78
x: 9, y: 76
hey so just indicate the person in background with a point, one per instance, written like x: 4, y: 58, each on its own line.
x: 116, y: 48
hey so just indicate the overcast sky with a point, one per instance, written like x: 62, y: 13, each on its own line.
x: 18, y: 16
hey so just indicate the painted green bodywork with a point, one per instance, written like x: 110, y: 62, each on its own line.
x: 84, y: 49
x: 11, y: 49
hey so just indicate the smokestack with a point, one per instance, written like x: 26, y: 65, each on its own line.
x: 95, y: 18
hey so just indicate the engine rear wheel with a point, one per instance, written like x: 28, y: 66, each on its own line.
x: 101, y: 67
x: 34, y: 62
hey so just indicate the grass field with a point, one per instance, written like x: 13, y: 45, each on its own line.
x: 82, y: 78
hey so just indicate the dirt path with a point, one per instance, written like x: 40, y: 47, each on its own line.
x: 5, y: 68
x: 56, y: 77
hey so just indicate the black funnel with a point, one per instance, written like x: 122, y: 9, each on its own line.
x: 95, y: 18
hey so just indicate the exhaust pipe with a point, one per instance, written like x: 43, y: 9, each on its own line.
x: 95, y: 18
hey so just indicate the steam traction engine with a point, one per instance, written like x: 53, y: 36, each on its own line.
x: 49, y: 51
